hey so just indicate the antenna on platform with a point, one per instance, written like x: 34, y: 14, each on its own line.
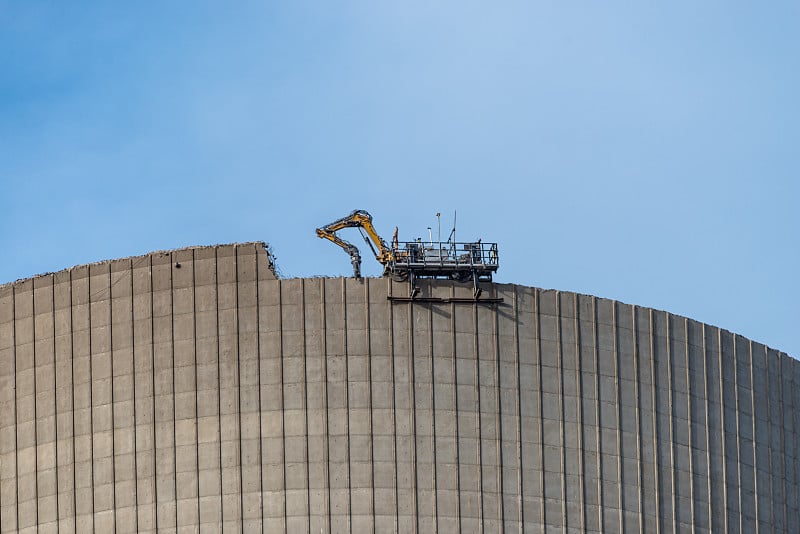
x: 452, y: 238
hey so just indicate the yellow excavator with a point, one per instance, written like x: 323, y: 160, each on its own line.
x: 362, y: 220
x: 416, y: 259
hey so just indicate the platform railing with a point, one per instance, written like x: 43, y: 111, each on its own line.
x: 446, y: 255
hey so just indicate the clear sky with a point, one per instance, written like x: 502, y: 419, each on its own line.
x: 641, y: 152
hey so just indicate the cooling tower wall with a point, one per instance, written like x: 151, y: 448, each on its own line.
x: 193, y: 390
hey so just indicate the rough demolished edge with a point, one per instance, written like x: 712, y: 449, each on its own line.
x: 262, y: 245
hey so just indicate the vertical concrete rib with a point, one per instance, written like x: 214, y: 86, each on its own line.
x: 794, y: 392
x: 172, y: 371
x: 433, y: 419
x: 796, y: 443
x: 538, y: 336
x: 689, y: 420
x: 617, y: 394
x: 793, y: 506
x: 775, y: 414
x: 239, y: 382
x: 671, y: 411
x: 654, y: 404
x: 368, y: 327
x: 260, y: 404
x: 792, y: 487
x: 4, y: 432
x: 413, y: 414
x: 775, y: 492
x: 597, y: 418
x: 499, y: 418
x: 780, y: 494
x: 560, y: 396
x: 3, y: 427
x: 71, y: 306
x: 55, y: 403
x: 35, y: 408
x: 153, y: 392
x: 16, y: 402
x: 517, y: 405
x: 476, y: 356
x: 91, y: 388
x: 464, y: 505
x: 775, y: 468
x: 113, y: 408
x: 579, y: 415
x: 753, y: 434
x: 283, y: 403
x: 454, y: 355
x: 197, y: 387
x: 738, y: 438
x: 646, y: 413
x: 390, y: 335
x: 346, y: 353
x: 326, y: 421
x: 637, y: 408
x: 141, y: 384
x: 782, y: 406
x: 724, y: 431
x: 707, y: 425
x: 305, y: 388
x: 133, y: 396
x: 219, y: 384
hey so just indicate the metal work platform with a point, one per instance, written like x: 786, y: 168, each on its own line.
x: 463, y: 262
x: 455, y: 261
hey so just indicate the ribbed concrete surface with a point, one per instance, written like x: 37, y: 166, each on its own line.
x: 137, y: 394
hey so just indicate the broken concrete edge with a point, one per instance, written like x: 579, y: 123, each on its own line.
x: 260, y: 247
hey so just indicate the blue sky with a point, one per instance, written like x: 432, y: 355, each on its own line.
x: 646, y: 153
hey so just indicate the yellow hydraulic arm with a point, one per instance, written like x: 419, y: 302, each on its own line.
x: 362, y: 220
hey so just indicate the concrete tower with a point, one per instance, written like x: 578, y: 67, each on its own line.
x: 193, y: 390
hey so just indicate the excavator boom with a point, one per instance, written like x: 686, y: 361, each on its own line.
x: 355, y: 256
x: 362, y: 220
